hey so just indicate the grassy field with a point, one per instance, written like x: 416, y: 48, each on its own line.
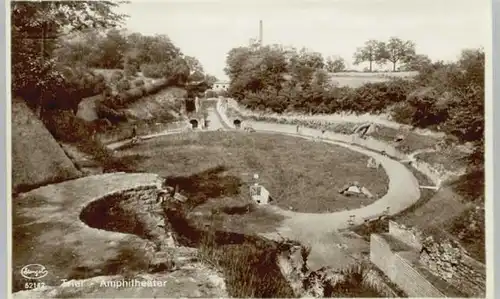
x: 301, y: 174
x: 357, y: 79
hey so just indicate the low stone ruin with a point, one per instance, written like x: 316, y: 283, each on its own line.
x: 365, y: 129
x: 372, y: 163
x: 259, y: 194
x: 437, y: 262
x: 355, y: 189
x: 249, y: 129
x: 170, y: 194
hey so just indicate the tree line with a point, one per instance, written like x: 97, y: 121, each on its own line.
x: 401, y: 54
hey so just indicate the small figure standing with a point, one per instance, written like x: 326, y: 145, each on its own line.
x: 134, y: 131
x: 298, y: 127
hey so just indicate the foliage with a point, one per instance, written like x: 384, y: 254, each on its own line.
x: 34, y: 29
x: 194, y: 64
x: 396, y: 50
x: 139, y: 83
x: 371, y: 52
x: 155, y: 70
x: 123, y: 85
x: 130, y: 65
x: 335, y: 64
x: 444, y: 96
x: 253, y: 69
x: 417, y: 62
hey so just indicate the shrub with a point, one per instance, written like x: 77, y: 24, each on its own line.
x: 116, y: 76
x: 123, y: 85
x: 403, y: 113
x: 65, y: 126
x: 429, y: 110
x: 139, y: 83
x: 157, y: 70
x: 131, y: 95
x: 130, y: 67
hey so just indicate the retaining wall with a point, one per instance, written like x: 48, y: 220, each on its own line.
x: 448, y: 261
x: 399, y: 269
x: 445, y: 259
x: 406, y: 235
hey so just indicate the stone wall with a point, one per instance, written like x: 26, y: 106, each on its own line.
x: 447, y: 260
x: 399, y: 270
x: 409, y: 236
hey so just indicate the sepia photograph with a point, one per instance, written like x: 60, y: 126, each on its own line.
x: 248, y: 149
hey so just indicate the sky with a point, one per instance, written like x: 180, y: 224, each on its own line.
x: 208, y: 29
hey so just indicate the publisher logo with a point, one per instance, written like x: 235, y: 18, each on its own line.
x: 34, y: 271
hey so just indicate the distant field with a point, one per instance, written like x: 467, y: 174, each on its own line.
x: 375, y: 74
x: 357, y: 79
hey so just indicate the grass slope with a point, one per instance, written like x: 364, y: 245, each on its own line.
x: 37, y: 158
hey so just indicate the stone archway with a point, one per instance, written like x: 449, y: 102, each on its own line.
x: 237, y: 123
x: 194, y: 123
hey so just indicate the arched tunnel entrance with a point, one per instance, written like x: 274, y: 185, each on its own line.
x: 194, y: 123
x: 237, y: 123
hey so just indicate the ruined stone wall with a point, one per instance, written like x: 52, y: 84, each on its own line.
x: 399, y: 270
x: 409, y: 236
x: 449, y: 261
x: 445, y: 259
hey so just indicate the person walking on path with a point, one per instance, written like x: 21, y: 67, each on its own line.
x: 134, y: 134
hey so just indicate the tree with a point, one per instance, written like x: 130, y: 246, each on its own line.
x: 158, y: 49
x: 196, y: 76
x: 194, y: 64
x: 372, y: 51
x: 254, y: 69
x: 335, y: 64
x: 302, y: 66
x: 35, y: 27
x: 179, y: 71
x: 416, y: 62
x: 210, y: 79
x: 397, y: 50
x: 112, y: 49
x: 79, y: 48
x: 467, y: 82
